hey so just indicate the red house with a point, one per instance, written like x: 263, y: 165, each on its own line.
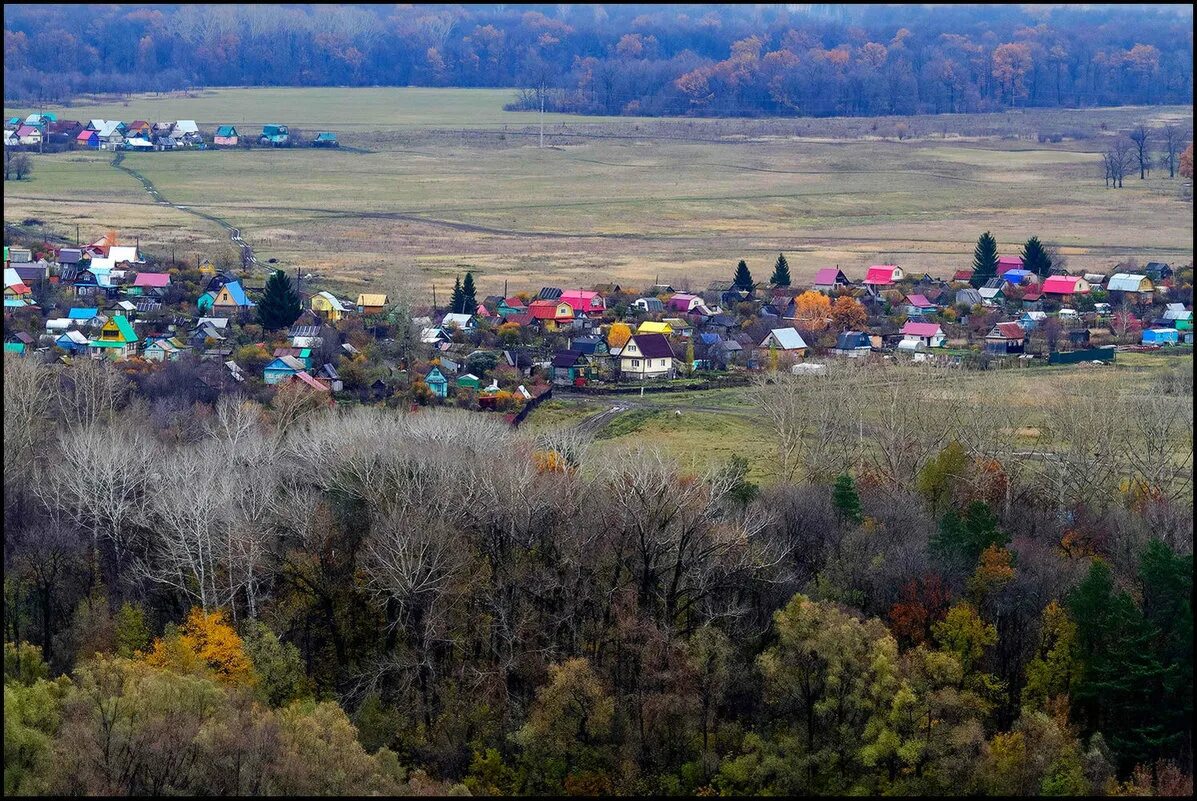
x: 883, y: 275
x: 1005, y: 263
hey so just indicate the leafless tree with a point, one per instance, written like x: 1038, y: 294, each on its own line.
x: 88, y: 392
x: 26, y: 409
x: 1173, y: 140
x: 1140, y: 136
x: 1117, y: 159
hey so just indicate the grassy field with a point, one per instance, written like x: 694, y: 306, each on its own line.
x: 433, y: 181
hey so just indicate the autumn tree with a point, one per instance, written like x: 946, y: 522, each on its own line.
x: 618, y: 335
x: 813, y: 310
x: 1140, y: 137
x: 848, y: 314
x: 1186, y: 162
x: 206, y: 644
x: 1011, y: 63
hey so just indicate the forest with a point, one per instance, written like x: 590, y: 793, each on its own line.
x: 211, y: 595
x: 753, y: 60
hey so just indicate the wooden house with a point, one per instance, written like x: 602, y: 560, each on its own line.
x: 1005, y: 339
x: 164, y: 349
x: 569, y: 367
x: 437, y: 382
x: 647, y: 356
x: 230, y: 300
x: 551, y: 314
x: 370, y: 304
x: 275, y: 136
x: 116, y: 339
x: 787, y: 340
x: 89, y: 140
x: 328, y: 306
x: 830, y: 278
x: 282, y: 368
x: 929, y: 335
x: 880, y: 275
x: 1065, y: 286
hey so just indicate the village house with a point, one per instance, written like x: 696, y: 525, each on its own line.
x: 325, y: 139
x: 647, y: 356
x: 917, y: 306
x: 570, y: 367
x: 163, y: 349
x: 437, y: 382
x: 1130, y: 286
x: 230, y: 300
x: 226, y: 136
x: 328, y: 306
x: 1007, y: 263
x: 830, y: 278
x: 1005, y: 339
x: 1063, y: 287
x: 116, y: 339
x: 551, y: 314
x: 462, y: 322
x: 683, y: 302
x: 584, y: 302
x: 370, y: 303
x: 651, y: 305
x: 655, y: 327
x: 275, y: 136
x: 282, y: 368
x: 853, y: 344
x: 787, y: 340
x: 928, y: 335
x: 150, y: 283
x: 883, y: 275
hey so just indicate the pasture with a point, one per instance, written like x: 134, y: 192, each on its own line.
x: 434, y: 181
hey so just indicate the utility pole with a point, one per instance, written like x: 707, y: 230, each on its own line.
x: 542, y: 113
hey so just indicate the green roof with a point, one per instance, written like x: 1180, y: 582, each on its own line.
x: 226, y: 130
x: 14, y: 347
x: 125, y: 327
x: 325, y: 136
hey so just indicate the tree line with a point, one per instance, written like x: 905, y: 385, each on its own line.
x: 237, y: 597
x: 653, y: 60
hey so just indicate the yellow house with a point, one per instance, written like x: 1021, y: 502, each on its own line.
x: 231, y: 299
x: 370, y: 304
x: 653, y: 327
x: 327, y: 306
x: 117, y: 339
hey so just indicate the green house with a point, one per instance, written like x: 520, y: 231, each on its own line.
x: 325, y: 139
x: 275, y: 135
x: 437, y: 382
x: 469, y: 381
x: 205, y: 301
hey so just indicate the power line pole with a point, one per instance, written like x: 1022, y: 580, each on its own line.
x: 542, y: 113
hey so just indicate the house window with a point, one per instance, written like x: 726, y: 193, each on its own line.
x: 635, y: 362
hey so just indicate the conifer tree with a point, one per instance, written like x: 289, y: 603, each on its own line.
x: 781, y: 271
x: 458, y: 296
x: 984, y: 260
x: 280, y: 305
x: 846, y: 499
x: 743, y: 278
x: 469, y: 301
x: 1035, y: 258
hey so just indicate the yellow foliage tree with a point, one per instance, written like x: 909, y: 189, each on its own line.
x: 813, y: 310
x: 205, y: 644
x: 549, y: 462
x: 847, y: 314
x: 618, y: 335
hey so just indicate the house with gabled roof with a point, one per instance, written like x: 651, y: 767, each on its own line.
x: 647, y: 356
x: 994, y: 291
x: 1005, y: 339
x: 916, y: 305
x: 328, y: 306
x: 1007, y: 263
x: 787, y: 340
x: 829, y: 278
x: 551, y: 314
x: 1131, y: 285
x: 929, y: 335
x: 115, y: 340
x: 883, y: 275
x: 654, y: 327
x: 164, y: 349
x: 1065, y: 286
x: 370, y: 303
x: 651, y: 305
x: 1158, y: 271
x: 853, y: 344
x: 584, y: 302
x: 282, y: 368
x: 275, y: 136
x: 149, y: 283
x: 226, y: 136
x: 462, y: 322
x: 87, y: 139
x: 231, y: 300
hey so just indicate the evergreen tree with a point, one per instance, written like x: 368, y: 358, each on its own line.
x: 846, y: 499
x: 280, y: 305
x: 984, y: 260
x: 965, y: 537
x: 469, y: 301
x: 457, y: 299
x: 1035, y: 258
x: 781, y: 271
x: 743, y: 279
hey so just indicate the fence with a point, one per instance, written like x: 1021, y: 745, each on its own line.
x: 530, y: 405
x: 1102, y: 354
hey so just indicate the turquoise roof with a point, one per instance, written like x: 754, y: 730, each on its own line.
x: 82, y: 314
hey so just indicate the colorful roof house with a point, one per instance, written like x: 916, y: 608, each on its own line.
x: 1005, y: 339
x: 647, y: 356
x: 308, y: 380
x: 1007, y: 263
x: 325, y: 139
x: 462, y: 322
x: 551, y: 314
x: 164, y: 349
x: 784, y: 339
x: 14, y: 287
x: 1131, y: 284
x: 883, y: 275
x: 370, y: 303
x: 510, y: 306
x: 226, y: 136
x: 1180, y: 317
x: 1064, y: 286
x: 139, y: 128
x: 185, y: 132
x: 918, y: 306
x: 72, y: 341
x: 29, y: 135
x: 584, y: 302
x: 683, y: 302
x: 469, y: 381
x: 328, y: 306
x: 205, y: 301
x: 437, y: 382
x: 962, y: 275
x: 116, y: 340
x: 570, y: 367
x: 149, y: 283
x: 89, y: 140
x: 275, y: 136
x: 655, y: 327
x: 1020, y: 277
x: 15, y: 348
x: 1160, y: 336
x: 282, y: 368
x: 230, y: 300
x: 829, y: 278
x: 930, y: 335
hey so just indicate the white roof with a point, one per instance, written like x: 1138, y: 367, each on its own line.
x: 1125, y: 282
x: 97, y: 124
x: 127, y: 305
x: 119, y: 253
x: 75, y: 336
x: 430, y: 335
x: 138, y: 142
x: 332, y: 300
x: 306, y: 342
x: 460, y: 320
x: 185, y: 127
x: 787, y: 338
x: 1035, y: 315
x: 101, y: 265
x: 1177, y: 311
x: 215, y: 322
x: 11, y: 278
x: 59, y: 324
x: 108, y: 128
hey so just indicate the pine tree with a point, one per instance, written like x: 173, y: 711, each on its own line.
x: 846, y: 499
x: 984, y: 260
x: 743, y: 279
x: 781, y: 271
x: 280, y: 305
x: 469, y: 303
x: 457, y: 298
x: 1035, y: 258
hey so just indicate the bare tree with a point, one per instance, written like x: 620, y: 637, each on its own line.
x: 1173, y: 141
x: 1117, y: 160
x: 1140, y: 136
x: 88, y: 392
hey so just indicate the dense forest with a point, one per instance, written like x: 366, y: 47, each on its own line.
x: 810, y: 60
x: 207, y: 595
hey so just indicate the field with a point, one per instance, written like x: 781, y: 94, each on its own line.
x: 432, y: 180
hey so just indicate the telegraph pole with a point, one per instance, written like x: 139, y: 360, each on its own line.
x: 542, y: 113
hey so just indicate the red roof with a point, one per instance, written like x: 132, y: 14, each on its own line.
x: 303, y: 377
x: 881, y: 274
x: 1061, y: 284
x: 519, y: 319
x: 921, y: 329
x: 514, y: 302
x: 1033, y: 293
x: 26, y: 130
x: 919, y: 301
x: 547, y: 310
x: 1005, y: 263
x: 962, y: 275
x: 83, y: 136
x: 1010, y: 330
x: 152, y: 280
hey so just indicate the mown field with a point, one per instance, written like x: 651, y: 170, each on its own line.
x: 431, y: 181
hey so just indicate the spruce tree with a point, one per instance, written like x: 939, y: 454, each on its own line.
x: 280, y: 305
x: 984, y: 260
x: 457, y: 298
x: 743, y: 279
x: 781, y: 271
x: 1035, y: 258
x: 469, y: 303
x: 846, y: 499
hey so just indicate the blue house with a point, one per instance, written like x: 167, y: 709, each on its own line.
x: 281, y: 369
x: 82, y: 313
x: 437, y: 382
x: 1161, y: 336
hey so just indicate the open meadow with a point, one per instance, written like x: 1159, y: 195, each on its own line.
x: 429, y: 181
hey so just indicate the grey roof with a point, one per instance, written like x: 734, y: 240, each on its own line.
x: 970, y: 296
x: 304, y: 331
x: 1125, y: 282
x: 787, y: 338
x: 548, y: 293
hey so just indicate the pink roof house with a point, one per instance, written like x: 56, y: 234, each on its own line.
x: 152, y: 280
x: 929, y: 334
x: 883, y: 274
x: 583, y: 301
x: 682, y: 302
x: 1005, y: 263
x: 1066, y: 285
x: 829, y: 278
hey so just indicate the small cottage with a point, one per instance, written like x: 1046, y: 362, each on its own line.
x: 647, y: 356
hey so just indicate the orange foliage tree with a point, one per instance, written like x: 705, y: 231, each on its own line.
x: 848, y: 314
x: 618, y: 335
x: 924, y: 603
x: 1186, y: 162
x: 813, y: 310
x: 206, y: 644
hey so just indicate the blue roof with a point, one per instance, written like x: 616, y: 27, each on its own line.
x: 82, y: 314
x: 709, y: 339
x: 238, y: 293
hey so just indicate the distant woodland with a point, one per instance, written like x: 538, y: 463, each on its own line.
x: 793, y: 60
